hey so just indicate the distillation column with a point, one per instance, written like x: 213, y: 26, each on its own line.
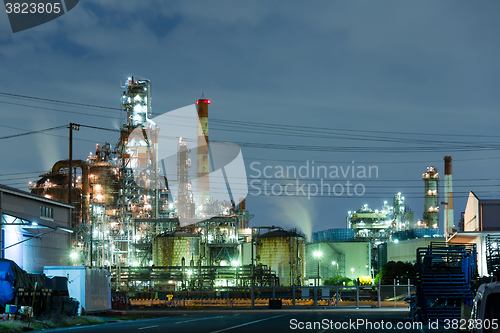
x: 431, y: 208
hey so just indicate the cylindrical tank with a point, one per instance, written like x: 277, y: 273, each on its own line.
x: 170, y: 248
x: 284, y: 252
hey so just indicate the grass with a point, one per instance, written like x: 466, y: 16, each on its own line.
x: 54, y: 322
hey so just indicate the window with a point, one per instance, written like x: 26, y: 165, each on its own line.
x: 46, y: 212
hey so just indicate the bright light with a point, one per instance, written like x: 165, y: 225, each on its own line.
x: 352, y: 270
x: 34, y: 224
x: 74, y: 255
x: 223, y: 263
x: 396, y: 241
x: 333, y: 262
x: 234, y: 263
x: 317, y: 254
x: 189, y: 272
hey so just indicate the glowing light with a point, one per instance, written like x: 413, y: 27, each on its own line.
x: 223, y: 263
x: 74, y: 255
x: 234, y: 263
x: 189, y: 272
x: 396, y: 241
x: 318, y: 254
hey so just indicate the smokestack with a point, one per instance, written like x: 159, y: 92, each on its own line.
x: 203, y: 151
x: 448, y: 195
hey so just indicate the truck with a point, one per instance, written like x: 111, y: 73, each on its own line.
x: 485, y: 315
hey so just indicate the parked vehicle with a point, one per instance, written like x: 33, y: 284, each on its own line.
x: 485, y: 316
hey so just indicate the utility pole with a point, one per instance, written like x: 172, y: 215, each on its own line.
x: 71, y: 127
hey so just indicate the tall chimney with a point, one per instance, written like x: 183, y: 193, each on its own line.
x: 203, y: 151
x: 448, y: 195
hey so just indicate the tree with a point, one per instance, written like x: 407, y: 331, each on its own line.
x: 338, y: 281
x: 396, y: 270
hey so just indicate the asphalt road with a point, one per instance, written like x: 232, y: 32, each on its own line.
x: 245, y: 321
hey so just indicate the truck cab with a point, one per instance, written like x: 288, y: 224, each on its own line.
x: 486, y: 309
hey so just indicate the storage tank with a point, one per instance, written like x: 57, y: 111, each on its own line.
x: 170, y: 248
x: 284, y: 252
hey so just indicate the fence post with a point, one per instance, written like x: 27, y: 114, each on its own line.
x: 252, y: 298
x: 408, y: 287
x: 315, y: 296
x: 293, y: 296
x: 379, y: 294
x: 337, y: 295
x: 357, y: 296
x: 394, y: 292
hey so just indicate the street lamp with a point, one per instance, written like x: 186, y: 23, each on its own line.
x: 352, y: 273
x: 318, y: 255
x: 337, y: 271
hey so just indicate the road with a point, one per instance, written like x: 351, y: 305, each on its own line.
x: 246, y: 321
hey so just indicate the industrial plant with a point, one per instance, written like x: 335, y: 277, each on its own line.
x: 129, y: 219
x: 158, y: 212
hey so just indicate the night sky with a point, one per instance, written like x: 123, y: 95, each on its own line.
x: 392, y: 84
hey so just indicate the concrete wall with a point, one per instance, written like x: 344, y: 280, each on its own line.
x: 471, y: 215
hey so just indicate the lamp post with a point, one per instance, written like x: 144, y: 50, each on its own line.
x: 318, y: 255
x: 337, y: 271
x: 352, y: 273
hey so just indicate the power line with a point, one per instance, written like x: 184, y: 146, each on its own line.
x: 32, y: 132
x: 58, y: 101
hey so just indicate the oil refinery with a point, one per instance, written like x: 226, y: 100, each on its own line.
x: 128, y: 219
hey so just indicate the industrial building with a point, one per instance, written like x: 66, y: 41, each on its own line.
x: 153, y: 227
x: 406, y: 250
x: 481, y: 220
x: 325, y: 260
x: 35, y: 230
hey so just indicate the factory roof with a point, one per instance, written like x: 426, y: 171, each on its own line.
x: 178, y: 234
x: 25, y: 194
x: 282, y: 233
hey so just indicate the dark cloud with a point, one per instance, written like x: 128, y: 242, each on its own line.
x: 392, y: 66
